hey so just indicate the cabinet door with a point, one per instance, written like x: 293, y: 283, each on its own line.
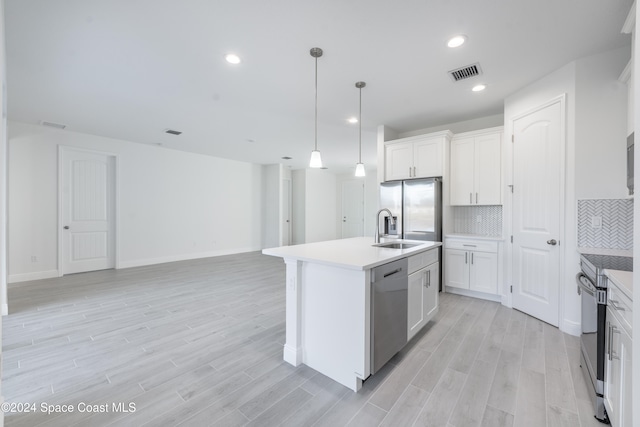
x: 456, y: 268
x: 626, y: 400
x: 430, y: 305
x: 487, y: 170
x: 428, y: 157
x: 398, y: 161
x: 461, y: 177
x: 610, y: 377
x: 483, y: 272
x: 415, y: 307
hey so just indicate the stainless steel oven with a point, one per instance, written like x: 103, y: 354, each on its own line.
x: 592, y: 287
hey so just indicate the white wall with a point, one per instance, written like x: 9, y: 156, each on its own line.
x: 539, y: 92
x: 172, y: 205
x: 601, y: 126
x: 298, y: 206
x: 271, y: 205
x: 3, y: 183
x: 320, y: 206
x: 460, y: 127
x: 595, y: 138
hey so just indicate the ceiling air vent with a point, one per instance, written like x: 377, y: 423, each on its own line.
x: 53, y: 125
x: 173, y: 132
x: 465, y: 72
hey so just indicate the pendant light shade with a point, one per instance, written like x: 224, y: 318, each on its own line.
x: 360, y: 166
x: 316, y: 159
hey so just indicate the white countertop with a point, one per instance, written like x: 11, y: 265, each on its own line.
x: 623, y: 281
x: 356, y: 253
x: 473, y: 237
x: 602, y: 251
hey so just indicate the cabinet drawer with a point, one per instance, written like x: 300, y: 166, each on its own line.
x: 423, y: 259
x: 471, y: 245
x: 621, y: 306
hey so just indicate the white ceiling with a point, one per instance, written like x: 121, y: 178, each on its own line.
x: 130, y: 69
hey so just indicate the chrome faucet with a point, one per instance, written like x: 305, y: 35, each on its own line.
x: 391, y: 219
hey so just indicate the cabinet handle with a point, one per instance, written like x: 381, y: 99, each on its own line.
x: 471, y: 257
x: 465, y: 257
x: 609, y: 339
x: 470, y: 198
x: 428, y: 278
x: 414, y: 172
x: 469, y: 246
x: 613, y: 304
x: 612, y: 354
x: 409, y: 171
x: 476, y: 198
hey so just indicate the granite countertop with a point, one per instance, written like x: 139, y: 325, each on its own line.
x: 357, y: 253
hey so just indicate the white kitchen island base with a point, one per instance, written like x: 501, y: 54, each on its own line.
x: 328, y: 300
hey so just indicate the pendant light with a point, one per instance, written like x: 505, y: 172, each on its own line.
x: 316, y: 160
x: 360, y: 166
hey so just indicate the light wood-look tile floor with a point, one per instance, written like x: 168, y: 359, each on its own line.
x: 199, y: 343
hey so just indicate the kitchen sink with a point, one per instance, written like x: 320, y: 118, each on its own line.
x: 397, y: 245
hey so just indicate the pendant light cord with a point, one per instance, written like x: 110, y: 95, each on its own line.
x: 316, y: 114
x: 360, y: 130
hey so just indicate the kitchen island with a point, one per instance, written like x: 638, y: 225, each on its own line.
x: 328, y: 301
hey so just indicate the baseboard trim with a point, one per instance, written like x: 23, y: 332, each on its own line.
x: 37, y: 275
x: 473, y: 294
x: 185, y: 257
x: 572, y: 328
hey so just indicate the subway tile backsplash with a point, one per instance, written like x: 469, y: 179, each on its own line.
x: 615, y: 217
x: 465, y: 220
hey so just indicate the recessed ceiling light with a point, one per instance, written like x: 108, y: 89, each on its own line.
x: 478, y: 88
x: 251, y: 140
x: 352, y: 120
x: 173, y: 132
x: 286, y: 158
x: 457, y: 41
x: 232, y: 58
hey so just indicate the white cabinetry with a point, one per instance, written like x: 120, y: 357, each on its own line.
x: 476, y: 168
x: 618, y: 345
x: 424, y: 281
x: 471, y: 265
x: 415, y: 157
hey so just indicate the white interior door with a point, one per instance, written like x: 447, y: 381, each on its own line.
x: 537, y: 153
x: 286, y: 212
x: 352, y: 208
x: 87, y: 211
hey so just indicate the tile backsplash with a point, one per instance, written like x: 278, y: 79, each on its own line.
x: 616, y: 223
x: 465, y: 220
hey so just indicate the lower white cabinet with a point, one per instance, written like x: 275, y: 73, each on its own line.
x: 471, y: 265
x: 617, y: 367
x: 424, y: 283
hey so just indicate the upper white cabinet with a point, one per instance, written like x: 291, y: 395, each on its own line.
x: 415, y: 157
x: 476, y: 168
x: 626, y: 76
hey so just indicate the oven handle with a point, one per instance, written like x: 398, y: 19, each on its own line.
x: 584, y: 284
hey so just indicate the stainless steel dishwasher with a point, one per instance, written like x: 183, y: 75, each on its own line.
x: 388, y: 311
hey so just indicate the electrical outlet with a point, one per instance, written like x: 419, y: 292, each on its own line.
x: 596, y: 222
x: 34, y: 258
x: 479, y: 219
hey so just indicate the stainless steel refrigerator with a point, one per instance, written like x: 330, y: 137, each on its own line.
x: 416, y: 205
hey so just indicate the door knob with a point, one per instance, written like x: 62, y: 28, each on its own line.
x: 66, y: 227
x: 551, y: 242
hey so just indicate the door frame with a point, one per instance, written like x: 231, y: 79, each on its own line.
x: 507, y: 298
x: 286, y: 211
x: 62, y: 149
